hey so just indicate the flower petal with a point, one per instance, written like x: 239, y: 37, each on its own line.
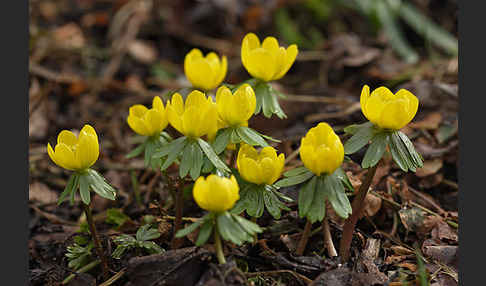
x: 67, y: 137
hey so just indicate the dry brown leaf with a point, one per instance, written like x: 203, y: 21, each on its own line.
x: 69, y: 36
x: 409, y: 266
x: 372, y: 204
x: 431, y: 122
x: 142, y: 51
x: 400, y: 250
x: 394, y: 259
x: 443, y: 231
x: 41, y: 193
x: 430, y: 167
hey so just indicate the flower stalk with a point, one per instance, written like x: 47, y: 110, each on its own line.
x: 96, y: 240
x: 218, y: 246
x: 179, y: 205
x: 328, y: 244
x: 357, y: 205
x: 304, y: 238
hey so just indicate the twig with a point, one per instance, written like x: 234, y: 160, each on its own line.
x: 320, y: 116
x: 295, y: 274
x: 316, y: 99
x: 114, y: 278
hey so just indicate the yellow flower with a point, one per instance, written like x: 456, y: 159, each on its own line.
x: 267, y: 61
x: 215, y: 193
x: 235, y: 109
x: 196, y: 118
x: 75, y: 153
x: 321, y: 150
x: 205, y: 72
x: 388, y: 110
x: 259, y: 168
x: 148, y: 122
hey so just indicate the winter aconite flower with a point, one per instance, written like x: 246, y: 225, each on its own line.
x: 321, y: 149
x: 148, y: 122
x: 75, y: 153
x: 236, y: 108
x: 262, y: 167
x: 388, y: 110
x: 194, y: 118
x: 267, y: 61
x: 215, y: 193
x: 206, y: 72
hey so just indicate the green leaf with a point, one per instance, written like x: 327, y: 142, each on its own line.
x: 416, y: 158
x: 317, y: 209
x: 336, y: 196
x: 341, y: 175
x: 100, y: 186
x: 428, y: 29
x: 296, y: 171
x: 190, y: 228
x: 228, y: 230
x: 222, y: 140
x: 255, y: 202
x: 175, y: 150
x: 187, y: 158
x: 75, y: 187
x: 249, y: 226
x: 250, y: 136
x: 394, y: 33
x: 375, y: 150
x: 116, y: 217
x: 197, y: 164
x: 234, y: 137
x: 274, y: 105
x: 400, y: 153
x: 84, y: 188
x: 151, y: 247
x: 120, y: 249
x: 306, y: 196
x: 353, y: 128
x: 242, y: 203
x: 135, y: 152
x: 362, y: 136
x: 146, y: 232
x: 272, y: 204
x: 297, y: 179
x: 208, y: 150
x: 260, y: 89
x: 204, y: 233
x: 70, y: 187
x: 169, y: 148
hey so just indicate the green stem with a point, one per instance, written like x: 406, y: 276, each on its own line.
x: 218, y: 247
x: 96, y: 240
x: 357, y: 205
x: 83, y: 269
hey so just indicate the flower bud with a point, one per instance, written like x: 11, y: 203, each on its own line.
x: 75, y: 153
x: 388, y: 110
x: 321, y: 150
x: 215, y: 193
x: 262, y: 167
x: 148, y: 122
x: 236, y: 108
x: 207, y: 72
x: 266, y: 61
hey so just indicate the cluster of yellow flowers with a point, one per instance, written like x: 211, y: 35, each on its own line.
x: 198, y: 115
